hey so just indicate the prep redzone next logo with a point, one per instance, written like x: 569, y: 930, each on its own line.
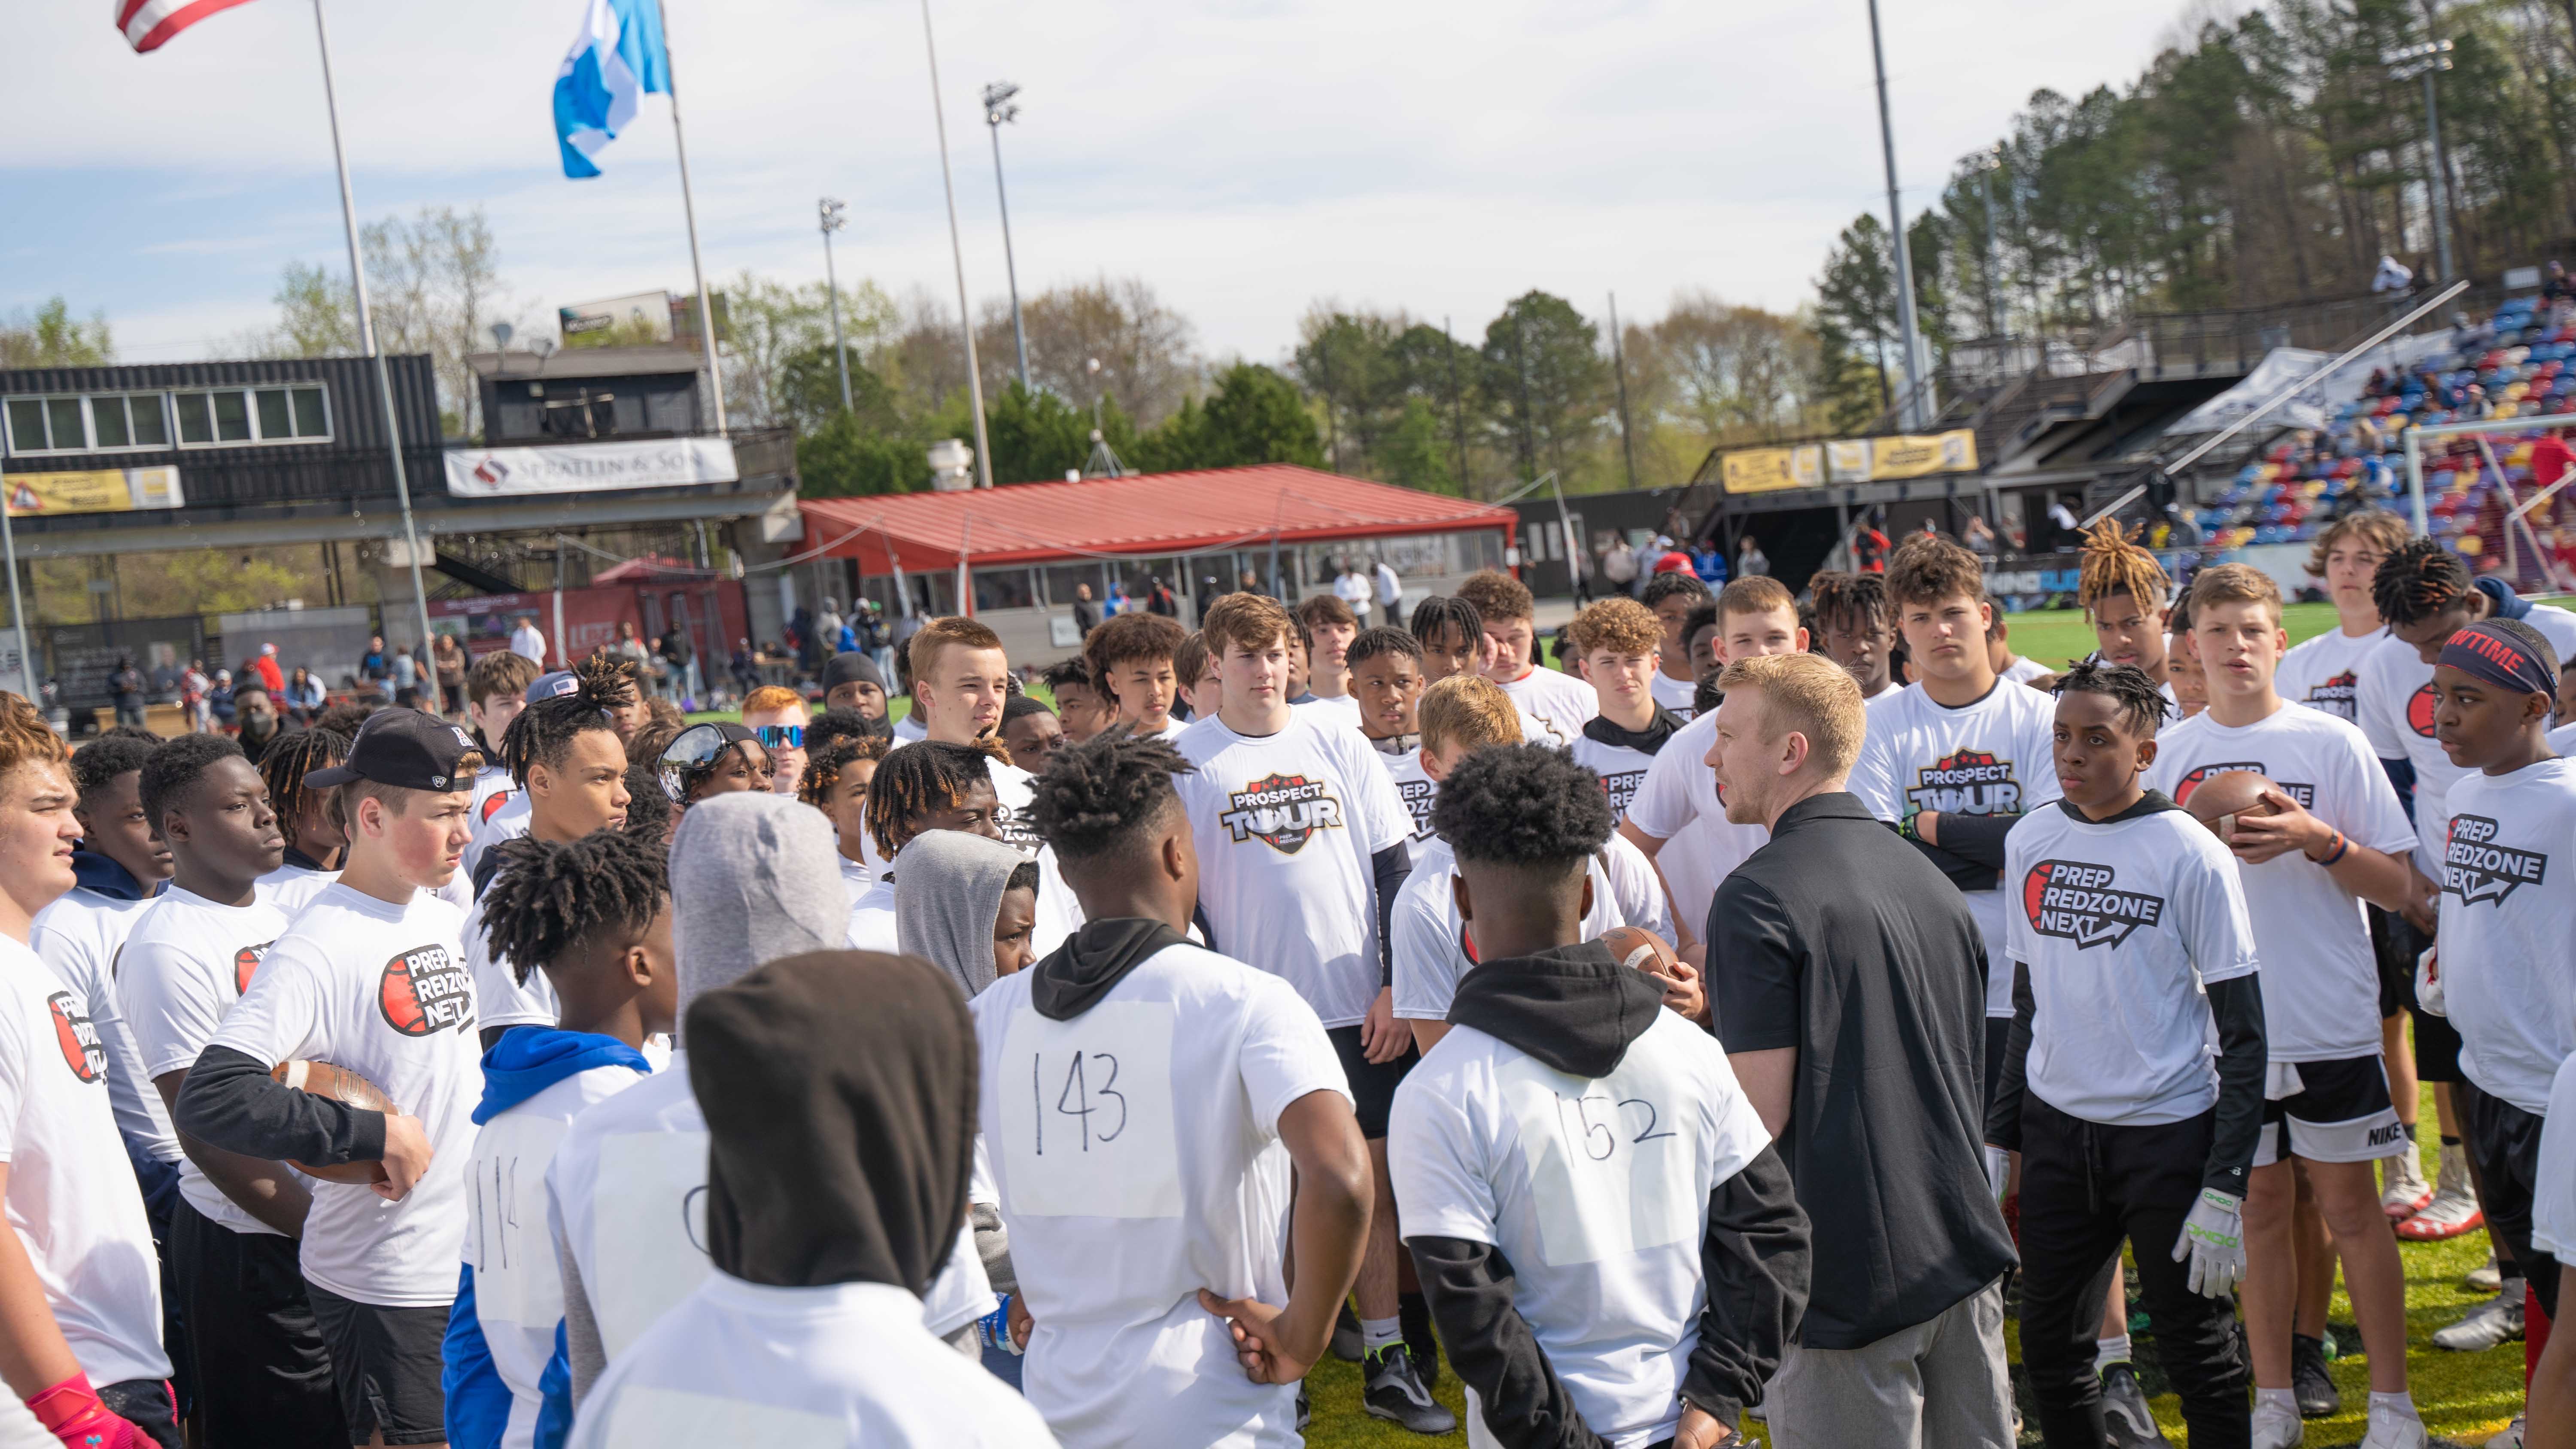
x: 1417, y: 796
x: 246, y: 963
x: 1622, y: 789
x: 2306, y: 795
x: 1965, y: 782
x: 425, y: 990
x: 2419, y: 711
x: 2475, y: 868
x: 2073, y: 900
x: 77, y: 1037
x: 1283, y: 811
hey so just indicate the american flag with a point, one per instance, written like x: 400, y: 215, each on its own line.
x: 148, y: 24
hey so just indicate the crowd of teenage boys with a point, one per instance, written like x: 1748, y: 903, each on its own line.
x: 1082, y: 1071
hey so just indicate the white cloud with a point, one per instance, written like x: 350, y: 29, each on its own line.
x: 1246, y: 155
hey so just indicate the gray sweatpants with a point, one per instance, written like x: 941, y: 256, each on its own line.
x: 1941, y: 1384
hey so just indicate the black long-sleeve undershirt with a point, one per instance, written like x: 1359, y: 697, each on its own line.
x: 1390, y: 867
x: 1977, y: 838
x: 231, y: 1102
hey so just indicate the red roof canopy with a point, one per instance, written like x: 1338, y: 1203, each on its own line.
x: 1153, y: 513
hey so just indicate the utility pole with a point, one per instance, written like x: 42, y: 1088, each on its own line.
x: 1457, y: 408
x: 1916, y: 408
x: 1619, y: 365
x: 1529, y: 435
x: 2427, y: 61
x: 1987, y: 165
x: 835, y: 216
x: 998, y: 109
x: 957, y: 254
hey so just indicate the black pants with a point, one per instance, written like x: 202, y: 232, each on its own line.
x: 2505, y: 1142
x: 2084, y: 1187
x: 263, y: 1377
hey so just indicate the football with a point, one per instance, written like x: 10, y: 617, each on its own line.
x: 2218, y: 800
x: 1641, y: 949
x: 344, y: 1086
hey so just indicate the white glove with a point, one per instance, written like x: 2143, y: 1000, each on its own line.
x: 1998, y: 1171
x: 2213, y: 1238
x: 2428, y: 980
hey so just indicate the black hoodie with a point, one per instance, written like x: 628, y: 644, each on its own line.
x: 1577, y: 1010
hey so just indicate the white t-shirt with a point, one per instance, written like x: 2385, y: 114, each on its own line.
x: 1285, y: 826
x: 187, y: 962
x: 2121, y: 923
x: 2323, y: 672
x: 489, y: 784
x: 1340, y: 708
x: 500, y: 998
x: 380, y: 990
x: 2023, y: 670
x: 2320, y: 976
x: 2553, y: 1198
x: 1673, y: 694
x: 1993, y: 757
x: 2508, y: 971
x: 1433, y: 949
x: 508, y: 822
x: 78, y: 936
x: 2394, y: 695
x: 625, y: 1189
x: 817, y: 1368
x: 518, y: 1288
x: 1622, y: 768
x: 1135, y: 1150
x: 1678, y: 804
x: 1596, y: 1191
x: 910, y: 728
x: 1414, y: 786
x: 72, y: 1196
x: 2562, y: 740
x: 872, y: 917
x: 856, y: 877
x: 1559, y: 702
x: 291, y: 888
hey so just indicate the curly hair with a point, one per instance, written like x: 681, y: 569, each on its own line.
x: 1443, y: 612
x: 911, y: 782
x: 286, y: 762
x: 648, y: 805
x: 1857, y: 601
x: 175, y: 767
x: 2142, y: 705
x: 550, y: 896
x: 833, y: 724
x: 96, y: 765
x: 544, y: 731
x: 348, y: 716
x: 1096, y: 798
x: 25, y: 738
x: 1497, y: 595
x: 1622, y: 626
x: 1525, y: 806
x: 2113, y: 565
x: 825, y: 762
x: 1678, y: 582
x: 1928, y: 569
x: 2417, y: 581
x: 2377, y: 528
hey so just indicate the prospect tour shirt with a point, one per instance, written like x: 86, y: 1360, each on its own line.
x: 2325, y: 672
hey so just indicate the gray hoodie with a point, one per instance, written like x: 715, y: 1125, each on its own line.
x: 946, y: 899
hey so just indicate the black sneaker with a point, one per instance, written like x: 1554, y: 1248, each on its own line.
x: 2125, y: 1412
x: 1305, y: 1407
x: 1346, y: 1335
x: 2310, y: 1384
x: 1420, y: 1340
x: 1395, y: 1392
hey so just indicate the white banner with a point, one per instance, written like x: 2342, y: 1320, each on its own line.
x: 589, y: 467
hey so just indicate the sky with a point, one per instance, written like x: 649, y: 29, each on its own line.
x: 1249, y: 158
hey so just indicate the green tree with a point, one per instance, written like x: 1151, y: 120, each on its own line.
x: 1255, y: 416
x: 1856, y: 322
x: 1547, y: 377
x: 845, y: 458
x: 52, y: 337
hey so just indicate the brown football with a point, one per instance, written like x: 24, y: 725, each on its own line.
x: 344, y: 1086
x: 2219, y: 799
x: 1637, y: 947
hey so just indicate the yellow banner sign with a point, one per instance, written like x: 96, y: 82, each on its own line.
x: 105, y: 490
x: 1919, y: 457
x: 1766, y: 470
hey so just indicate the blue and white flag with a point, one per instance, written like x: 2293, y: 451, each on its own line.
x: 617, y: 57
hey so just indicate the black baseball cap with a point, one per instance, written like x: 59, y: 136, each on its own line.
x: 405, y: 748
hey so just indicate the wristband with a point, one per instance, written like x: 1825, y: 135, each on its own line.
x: 72, y: 1413
x: 2336, y: 851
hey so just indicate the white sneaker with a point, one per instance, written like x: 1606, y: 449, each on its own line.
x: 2508, y: 1437
x: 2406, y: 1191
x: 2487, y: 1279
x: 2277, y: 1426
x: 2395, y: 1431
x: 2454, y: 1209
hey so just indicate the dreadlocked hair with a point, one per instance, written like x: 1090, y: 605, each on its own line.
x: 97, y: 764
x: 923, y: 776
x: 285, y: 764
x: 1442, y: 612
x: 544, y: 730
x: 2142, y: 704
x: 824, y: 764
x: 549, y: 896
x: 2418, y: 580
x: 1856, y: 600
x: 2114, y: 565
x: 1098, y: 796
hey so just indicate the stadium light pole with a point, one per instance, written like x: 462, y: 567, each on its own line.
x: 998, y: 109
x: 834, y: 217
x: 2427, y: 61
x: 1916, y: 411
x: 1990, y: 162
x: 957, y: 254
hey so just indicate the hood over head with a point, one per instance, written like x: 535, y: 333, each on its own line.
x: 947, y: 899
x: 755, y: 877
x: 1575, y: 1008
x: 839, y: 1090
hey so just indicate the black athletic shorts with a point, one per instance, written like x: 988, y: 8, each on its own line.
x: 148, y: 1405
x: 2504, y: 1141
x: 2339, y: 1113
x: 263, y: 1377
x: 1372, y: 1083
x: 386, y: 1362
x: 2396, y: 969
x: 2437, y: 1046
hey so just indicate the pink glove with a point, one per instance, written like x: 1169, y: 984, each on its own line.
x: 72, y: 1413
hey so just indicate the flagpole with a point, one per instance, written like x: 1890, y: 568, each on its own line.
x: 957, y: 249
x: 367, y: 332
x: 689, y: 207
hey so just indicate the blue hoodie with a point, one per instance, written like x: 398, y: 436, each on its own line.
x: 521, y: 1064
x: 92, y: 871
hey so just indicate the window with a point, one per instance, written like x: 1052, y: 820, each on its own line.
x: 1003, y: 589
x: 105, y: 422
x: 297, y: 414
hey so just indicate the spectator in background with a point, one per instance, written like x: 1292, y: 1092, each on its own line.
x: 1979, y: 537
x: 1159, y: 598
x: 1353, y: 588
x: 744, y: 668
x: 1669, y: 558
x: 1869, y: 546
x: 527, y: 643
x: 1390, y: 595
x: 269, y: 672
x: 630, y: 650
x: 304, y: 694
x: 219, y: 700
x: 373, y: 668
x: 1752, y: 563
x: 261, y: 725
x: 126, y: 684
x: 448, y: 663
x: 680, y: 665
x: 1710, y: 566
x: 406, y: 677
x: 1086, y: 614
x: 193, y: 688
x: 1619, y: 565
x: 827, y: 624
x: 2063, y: 527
